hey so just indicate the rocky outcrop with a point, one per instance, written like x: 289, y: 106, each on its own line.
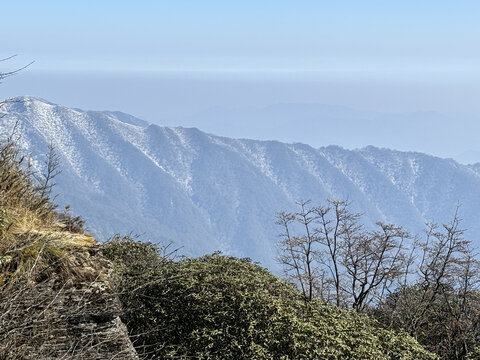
x: 64, y: 315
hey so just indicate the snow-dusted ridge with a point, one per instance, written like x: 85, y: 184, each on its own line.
x: 207, y: 193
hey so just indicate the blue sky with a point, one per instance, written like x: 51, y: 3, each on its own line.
x: 300, y: 35
x: 166, y: 61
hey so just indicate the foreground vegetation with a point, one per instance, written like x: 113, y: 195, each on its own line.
x: 428, y: 287
x: 221, y: 307
x: 35, y: 239
x: 56, y: 300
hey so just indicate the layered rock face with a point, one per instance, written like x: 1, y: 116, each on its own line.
x: 64, y: 317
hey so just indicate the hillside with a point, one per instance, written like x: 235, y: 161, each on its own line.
x: 209, y: 193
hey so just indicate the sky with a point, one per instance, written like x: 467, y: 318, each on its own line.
x: 167, y: 61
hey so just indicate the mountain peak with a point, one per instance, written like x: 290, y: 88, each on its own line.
x: 30, y: 99
x: 40, y: 106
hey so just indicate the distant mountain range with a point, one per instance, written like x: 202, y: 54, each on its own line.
x: 207, y: 193
x: 449, y: 135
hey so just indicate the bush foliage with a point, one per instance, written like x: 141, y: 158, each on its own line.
x: 221, y: 307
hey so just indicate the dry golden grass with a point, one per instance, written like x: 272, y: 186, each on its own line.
x: 34, y: 247
x: 34, y: 239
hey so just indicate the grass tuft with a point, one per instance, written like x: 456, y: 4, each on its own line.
x: 35, y: 239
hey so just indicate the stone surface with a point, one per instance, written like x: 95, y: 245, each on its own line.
x: 64, y: 317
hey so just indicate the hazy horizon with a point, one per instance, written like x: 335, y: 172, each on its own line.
x: 171, y: 62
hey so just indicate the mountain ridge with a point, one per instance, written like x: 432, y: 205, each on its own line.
x: 208, y: 193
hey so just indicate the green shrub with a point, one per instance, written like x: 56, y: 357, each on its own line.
x: 221, y: 307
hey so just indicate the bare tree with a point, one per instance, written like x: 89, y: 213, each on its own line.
x: 45, y: 179
x: 374, y: 261
x: 441, y: 255
x: 440, y: 305
x: 333, y: 231
x: 336, y: 259
x: 298, y: 252
x: 6, y: 74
